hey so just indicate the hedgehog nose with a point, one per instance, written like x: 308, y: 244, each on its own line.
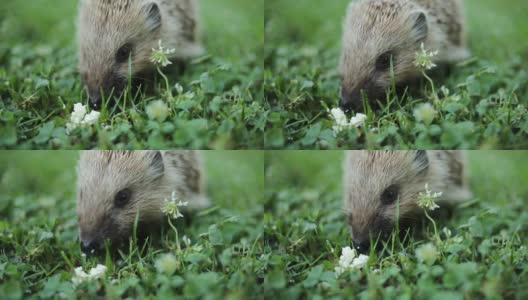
x: 350, y: 101
x: 89, y: 247
x: 362, y: 246
x: 95, y: 101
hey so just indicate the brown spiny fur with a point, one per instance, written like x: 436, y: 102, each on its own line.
x: 368, y: 174
x: 395, y: 28
x: 150, y: 176
x: 106, y: 26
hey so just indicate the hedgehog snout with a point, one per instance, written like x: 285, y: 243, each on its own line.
x: 350, y: 101
x: 111, y: 87
x: 95, y: 99
x: 90, y: 245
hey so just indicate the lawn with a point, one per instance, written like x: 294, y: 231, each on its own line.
x: 217, y: 105
x: 481, y: 253
x: 39, y: 247
x: 484, y: 103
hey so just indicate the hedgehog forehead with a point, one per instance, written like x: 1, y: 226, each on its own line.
x: 374, y: 27
x: 105, y: 26
x: 106, y: 172
x: 371, y: 172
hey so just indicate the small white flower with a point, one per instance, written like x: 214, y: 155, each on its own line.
x: 157, y: 110
x: 80, y: 276
x: 347, y: 256
x: 79, y: 111
x: 171, y: 208
x: 427, y: 199
x: 340, y: 120
x: 360, y: 262
x: 342, y: 123
x: 427, y: 253
x: 424, y: 113
x: 424, y: 59
x: 159, y: 56
x: 349, y: 261
x: 91, y: 118
x: 79, y: 117
x: 358, y: 120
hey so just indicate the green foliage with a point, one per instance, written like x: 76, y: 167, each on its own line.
x: 481, y: 254
x: 219, y: 105
x: 39, y: 247
x: 485, y: 108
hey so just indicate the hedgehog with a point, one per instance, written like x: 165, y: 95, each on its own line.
x: 115, y: 34
x: 381, y: 189
x: 116, y: 186
x: 383, y: 36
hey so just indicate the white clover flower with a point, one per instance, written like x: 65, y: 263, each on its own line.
x: 91, y: 118
x: 424, y: 59
x: 167, y: 264
x: 358, y: 120
x: 159, y: 56
x: 342, y: 123
x: 340, y: 120
x: 171, y: 208
x: 424, y: 113
x: 427, y: 199
x: 427, y: 253
x: 79, y: 117
x: 347, y: 256
x: 157, y: 110
x: 360, y: 262
x: 349, y: 261
x: 80, y: 276
x: 79, y: 111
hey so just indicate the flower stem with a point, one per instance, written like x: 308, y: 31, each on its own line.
x: 431, y: 83
x: 166, y: 83
x: 177, y: 238
x: 434, y: 225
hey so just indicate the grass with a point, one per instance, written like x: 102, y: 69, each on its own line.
x: 485, y: 256
x: 220, y: 106
x: 485, y: 107
x: 39, y: 246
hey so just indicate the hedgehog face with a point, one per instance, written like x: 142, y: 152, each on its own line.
x: 381, y: 189
x: 114, y: 187
x: 378, y: 34
x: 112, y: 34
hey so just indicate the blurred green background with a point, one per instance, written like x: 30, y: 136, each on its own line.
x: 235, y: 21
x: 496, y: 29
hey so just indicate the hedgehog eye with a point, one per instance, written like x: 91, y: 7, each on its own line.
x: 123, y: 53
x: 384, y: 61
x: 390, y: 195
x: 122, y: 198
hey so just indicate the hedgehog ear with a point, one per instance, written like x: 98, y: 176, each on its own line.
x: 421, y: 160
x: 156, y: 164
x: 153, y: 16
x: 420, y: 28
